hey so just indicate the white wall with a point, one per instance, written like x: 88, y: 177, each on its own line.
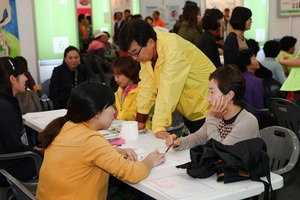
x: 278, y: 27
x: 25, y: 14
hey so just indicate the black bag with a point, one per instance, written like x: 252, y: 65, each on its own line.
x: 244, y: 160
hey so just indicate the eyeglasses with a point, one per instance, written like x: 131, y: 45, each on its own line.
x: 135, y: 54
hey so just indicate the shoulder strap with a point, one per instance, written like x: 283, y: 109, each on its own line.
x: 267, y: 184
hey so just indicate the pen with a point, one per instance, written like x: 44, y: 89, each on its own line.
x: 170, y: 146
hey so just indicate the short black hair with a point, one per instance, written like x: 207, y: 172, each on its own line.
x: 135, y: 30
x: 244, y: 59
x: 287, y: 42
x: 252, y: 44
x: 239, y: 17
x: 271, y: 48
x: 210, y: 19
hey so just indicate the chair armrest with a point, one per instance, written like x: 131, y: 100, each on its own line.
x: 18, y: 188
x: 26, y: 154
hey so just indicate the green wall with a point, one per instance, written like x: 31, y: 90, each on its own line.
x: 56, y: 27
x: 260, y: 20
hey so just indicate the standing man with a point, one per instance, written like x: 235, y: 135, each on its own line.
x: 174, y: 76
x: 118, y: 25
x: 127, y: 15
x: 157, y: 20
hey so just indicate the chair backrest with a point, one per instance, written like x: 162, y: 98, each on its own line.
x: 287, y: 113
x: 282, y: 148
x: 254, y: 111
x: 101, y: 66
x: 45, y: 87
x: 177, y: 124
x: 95, y: 74
x: 20, y: 192
x: 272, y: 88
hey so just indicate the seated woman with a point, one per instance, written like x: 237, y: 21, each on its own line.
x: 226, y: 121
x: 254, y: 95
x: 65, y: 77
x: 78, y: 159
x: 13, y: 137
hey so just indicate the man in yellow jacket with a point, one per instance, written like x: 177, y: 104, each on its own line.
x: 174, y: 75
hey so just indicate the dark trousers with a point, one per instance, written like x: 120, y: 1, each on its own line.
x: 193, y: 126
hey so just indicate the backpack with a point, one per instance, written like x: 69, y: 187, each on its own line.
x: 244, y: 160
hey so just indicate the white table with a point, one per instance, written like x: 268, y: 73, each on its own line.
x: 148, y: 143
x: 39, y: 120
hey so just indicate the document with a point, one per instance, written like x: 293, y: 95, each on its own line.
x: 178, y: 187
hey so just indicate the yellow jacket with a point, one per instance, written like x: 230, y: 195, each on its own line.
x: 77, y: 165
x: 128, y: 109
x: 179, y: 81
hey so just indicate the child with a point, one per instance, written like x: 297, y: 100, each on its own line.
x: 126, y: 74
x: 77, y: 156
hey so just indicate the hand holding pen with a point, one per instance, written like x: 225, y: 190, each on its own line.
x: 172, y: 141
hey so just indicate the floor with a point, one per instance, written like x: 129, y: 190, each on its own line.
x: 291, y: 186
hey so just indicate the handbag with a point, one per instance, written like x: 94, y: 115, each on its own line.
x: 29, y: 101
x: 244, y: 160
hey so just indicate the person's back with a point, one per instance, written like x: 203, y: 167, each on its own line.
x: 189, y: 27
x: 97, y: 47
x: 207, y: 43
x: 271, y: 50
x: 78, y: 159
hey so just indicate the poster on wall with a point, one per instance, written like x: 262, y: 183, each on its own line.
x: 288, y: 8
x: 83, y: 7
x: 9, y: 33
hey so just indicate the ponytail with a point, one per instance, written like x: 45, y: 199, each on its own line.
x: 51, y: 131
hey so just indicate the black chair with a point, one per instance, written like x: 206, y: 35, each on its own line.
x: 95, y: 73
x: 272, y: 88
x: 101, y: 65
x: 20, y: 192
x: 287, y: 113
x: 32, y: 184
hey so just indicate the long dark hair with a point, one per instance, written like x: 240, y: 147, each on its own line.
x: 9, y: 66
x: 86, y: 100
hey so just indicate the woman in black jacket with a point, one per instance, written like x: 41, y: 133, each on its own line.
x: 13, y: 136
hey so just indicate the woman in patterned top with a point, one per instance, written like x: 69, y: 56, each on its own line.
x: 226, y: 120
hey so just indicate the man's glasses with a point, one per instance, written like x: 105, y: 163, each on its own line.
x: 135, y: 54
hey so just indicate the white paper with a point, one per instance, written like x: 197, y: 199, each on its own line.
x: 179, y: 187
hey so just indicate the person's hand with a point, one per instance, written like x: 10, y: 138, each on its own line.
x: 153, y: 159
x: 128, y: 153
x: 37, y: 87
x: 218, y: 107
x: 162, y: 134
x: 39, y: 149
x: 172, y: 140
x: 141, y: 126
x: 282, y: 59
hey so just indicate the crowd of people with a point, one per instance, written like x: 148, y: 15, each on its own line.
x: 157, y: 72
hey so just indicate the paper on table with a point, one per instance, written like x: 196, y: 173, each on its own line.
x: 171, y: 161
x: 179, y: 187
